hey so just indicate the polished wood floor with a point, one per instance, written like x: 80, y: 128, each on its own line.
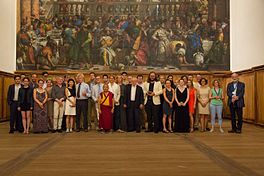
x: 131, y: 154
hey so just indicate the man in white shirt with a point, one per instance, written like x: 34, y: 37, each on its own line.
x: 91, y: 103
x: 45, y: 76
x: 105, y: 79
x: 83, y: 92
x: 140, y: 81
x: 96, y: 90
x: 152, y: 91
x: 115, y: 89
x: 12, y: 99
x: 134, y: 100
x: 143, y: 114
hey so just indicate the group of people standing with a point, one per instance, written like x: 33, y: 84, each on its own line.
x: 122, y: 103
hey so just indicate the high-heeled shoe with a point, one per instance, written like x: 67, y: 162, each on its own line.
x: 165, y: 131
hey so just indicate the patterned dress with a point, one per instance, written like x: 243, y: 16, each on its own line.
x: 40, y: 121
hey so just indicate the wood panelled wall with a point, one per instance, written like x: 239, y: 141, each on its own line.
x: 6, y: 79
x: 254, y: 95
x: 253, y: 79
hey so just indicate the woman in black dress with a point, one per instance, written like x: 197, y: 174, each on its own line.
x: 182, y: 121
x: 25, y: 104
x: 169, y: 96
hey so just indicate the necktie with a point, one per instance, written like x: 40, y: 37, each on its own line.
x: 78, y: 91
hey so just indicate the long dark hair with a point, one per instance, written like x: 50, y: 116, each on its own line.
x: 149, y: 77
x: 73, y: 87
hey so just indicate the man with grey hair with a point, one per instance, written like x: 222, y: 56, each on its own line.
x: 235, y: 93
x: 83, y: 92
x: 134, y: 100
x: 96, y: 90
x: 58, y: 95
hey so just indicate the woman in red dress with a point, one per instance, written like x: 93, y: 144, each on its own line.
x: 106, y: 109
x: 191, y: 103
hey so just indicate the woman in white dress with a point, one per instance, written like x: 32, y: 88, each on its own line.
x: 70, y: 107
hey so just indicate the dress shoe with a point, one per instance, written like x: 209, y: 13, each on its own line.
x: 59, y: 131
x: 238, y: 131
x: 148, y: 131
x: 11, y: 132
x: 231, y: 131
x: 138, y: 131
x: 77, y: 130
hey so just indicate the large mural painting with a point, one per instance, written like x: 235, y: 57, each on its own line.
x: 123, y: 35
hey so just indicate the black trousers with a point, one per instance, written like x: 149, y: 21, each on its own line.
x: 15, y: 117
x: 153, y: 116
x: 133, y: 120
x: 236, y: 124
x: 82, y: 108
x: 116, y: 118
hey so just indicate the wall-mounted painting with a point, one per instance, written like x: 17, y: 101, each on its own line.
x: 123, y: 35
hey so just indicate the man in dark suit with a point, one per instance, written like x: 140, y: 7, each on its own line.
x: 134, y: 100
x: 33, y: 84
x: 12, y: 99
x: 235, y: 93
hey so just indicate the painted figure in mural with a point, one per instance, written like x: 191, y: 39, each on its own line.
x: 96, y: 32
x: 86, y: 46
x: 141, y: 46
x: 81, y: 50
x: 217, y: 51
x: 106, y: 52
x: 25, y: 46
x: 46, y: 58
x: 162, y: 36
x: 195, y: 45
x: 158, y: 37
x: 74, y: 49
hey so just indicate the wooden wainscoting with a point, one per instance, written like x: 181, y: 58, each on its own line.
x: 176, y: 74
x: 259, y: 94
x: 6, y: 79
x: 254, y: 95
x: 253, y: 79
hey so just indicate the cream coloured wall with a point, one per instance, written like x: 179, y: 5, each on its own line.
x: 7, y: 35
x: 247, y: 34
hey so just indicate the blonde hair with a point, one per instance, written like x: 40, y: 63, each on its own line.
x: 80, y: 75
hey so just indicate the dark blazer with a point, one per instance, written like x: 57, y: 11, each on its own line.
x: 33, y: 85
x: 21, y: 96
x: 11, y: 93
x: 240, y: 93
x: 139, y: 99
